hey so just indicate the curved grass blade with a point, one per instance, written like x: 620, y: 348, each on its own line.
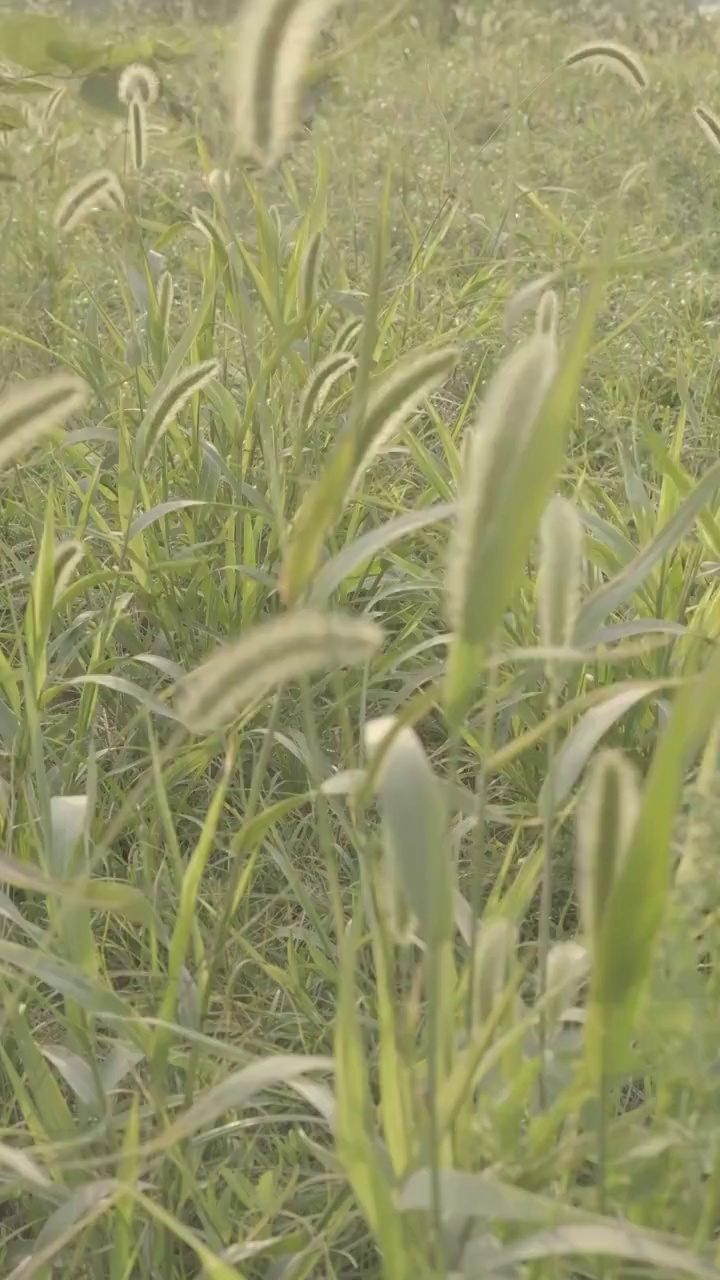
x: 235, y: 1092
x: 621, y: 588
x: 67, y: 979
x: 610, y: 1240
x: 370, y: 544
x: 590, y: 730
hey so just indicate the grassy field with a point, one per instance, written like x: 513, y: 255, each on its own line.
x: 358, y: 796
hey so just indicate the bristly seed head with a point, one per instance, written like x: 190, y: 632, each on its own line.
x: 274, y: 40
x: 709, y: 123
x: 616, y: 57
x: 138, y: 81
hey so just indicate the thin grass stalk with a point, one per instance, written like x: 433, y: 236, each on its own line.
x: 546, y: 891
x: 480, y: 835
x: 249, y: 812
x: 435, y: 1049
x: 322, y: 811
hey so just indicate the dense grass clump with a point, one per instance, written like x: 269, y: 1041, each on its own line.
x: 359, y: 677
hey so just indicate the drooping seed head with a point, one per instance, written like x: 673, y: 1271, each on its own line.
x: 273, y: 653
x: 30, y: 410
x: 138, y: 81
x: 709, y: 123
x: 100, y: 189
x: 615, y: 57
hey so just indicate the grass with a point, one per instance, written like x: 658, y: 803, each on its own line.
x: 284, y: 996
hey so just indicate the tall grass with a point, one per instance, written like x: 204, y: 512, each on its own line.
x: 331, y: 941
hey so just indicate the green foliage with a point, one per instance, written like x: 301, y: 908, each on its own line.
x: 332, y: 941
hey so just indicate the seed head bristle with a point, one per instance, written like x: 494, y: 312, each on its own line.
x: 274, y: 39
x: 100, y: 189
x: 138, y: 81
x: 615, y: 57
x: 709, y: 123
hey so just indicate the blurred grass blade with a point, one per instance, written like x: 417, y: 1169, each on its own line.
x: 527, y: 298
x: 476, y: 1195
x: 76, y: 1073
x: 146, y: 518
x: 23, y: 1167
x: 67, y: 979
x: 82, y: 1207
x: 287, y: 648
x: 129, y: 689
x: 68, y: 815
x: 365, y: 548
x: 29, y: 410
x: 596, y: 1239
x: 568, y: 969
x: 236, y: 1091
x: 358, y: 1149
x: 588, y: 732
x: 493, y: 963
